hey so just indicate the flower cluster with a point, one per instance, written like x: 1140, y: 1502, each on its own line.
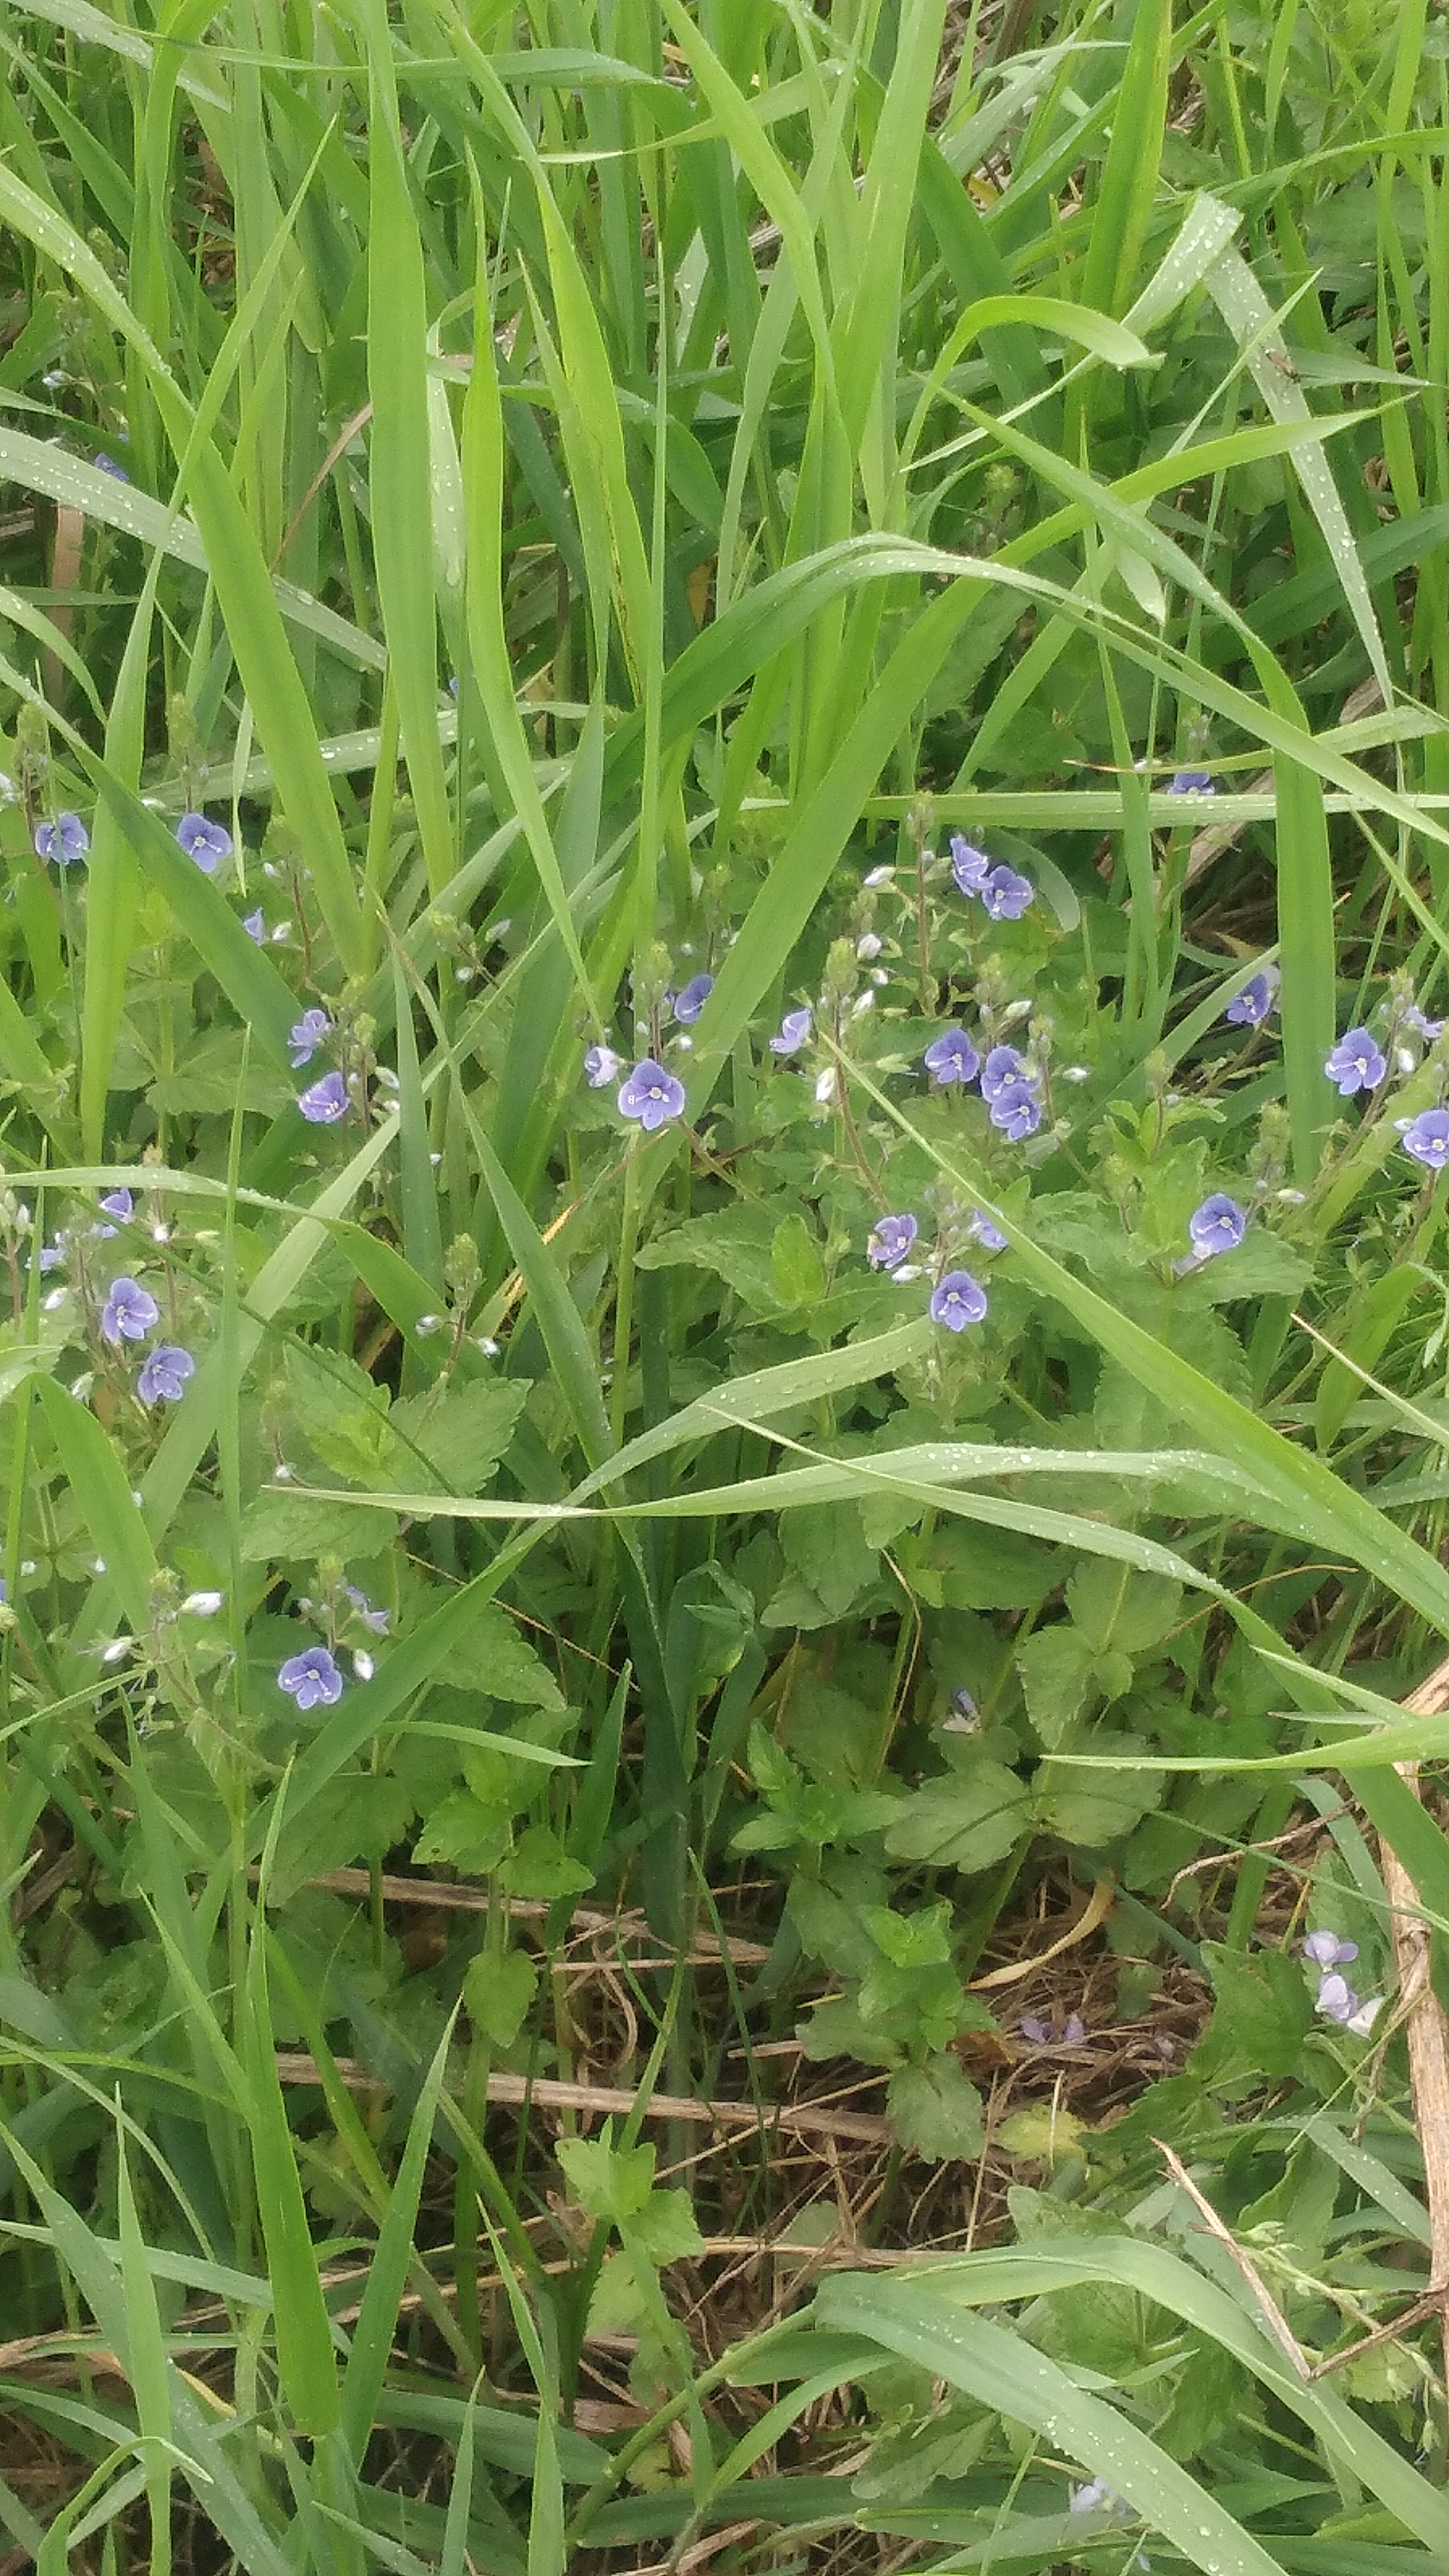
x: 1003, y: 894
x: 1336, y: 1999
x: 129, y: 1313
x: 1010, y: 1086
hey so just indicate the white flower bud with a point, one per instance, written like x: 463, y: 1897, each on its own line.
x: 825, y: 1086
x: 203, y: 1605
x: 868, y: 947
x: 363, y: 1665
x: 874, y: 878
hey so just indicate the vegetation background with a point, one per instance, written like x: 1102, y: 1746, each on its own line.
x: 701, y: 1683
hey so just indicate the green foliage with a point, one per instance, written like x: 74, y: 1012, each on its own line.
x: 733, y: 541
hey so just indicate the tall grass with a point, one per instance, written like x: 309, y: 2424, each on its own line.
x: 766, y: 416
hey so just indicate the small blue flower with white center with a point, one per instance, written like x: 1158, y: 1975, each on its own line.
x: 951, y: 1058
x: 792, y: 1033
x: 1357, y: 1063
x: 129, y: 1311
x: 651, y: 1095
x: 890, y: 1240
x: 306, y: 1035
x: 1250, y: 1008
x: 311, y: 1678
x: 1217, y: 1226
x: 65, y: 840
x: 324, y: 1102
x: 689, y: 1003
x: 969, y: 866
x: 206, y: 842
x: 601, y: 1067
x: 164, y: 1378
x: 958, y: 1301
x: 1016, y: 1111
x: 1426, y: 1138
x: 1006, y: 896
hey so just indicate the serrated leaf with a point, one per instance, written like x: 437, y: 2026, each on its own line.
x: 1093, y: 1808
x: 461, y: 1833
x: 1057, y: 1668
x: 462, y: 1434
x: 539, y: 1866
x: 936, y: 2109
x: 282, y: 1528
x: 796, y: 1268
x: 496, y: 1658
x: 966, y: 1821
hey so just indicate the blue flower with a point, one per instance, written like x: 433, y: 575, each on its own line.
x: 951, y: 1058
x: 1426, y: 1029
x: 1327, y: 1951
x: 325, y: 1102
x: 982, y: 1231
x: 1191, y: 782
x: 1016, y: 1111
x: 306, y: 1035
x: 255, y: 926
x: 129, y: 1311
x: 960, y: 1300
x: 119, y: 1204
x: 1034, y: 2030
x: 792, y: 1033
x: 969, y: 866
x: 312, y: 1678
x: 205, y: 842
x: 1006, y: 895
x: 602, y: 1066
x: 375, y: 1620
x: 889, y: 1241
x: 65, y: 840
x: 651, y: 1095
x: 163, y: 1379
x: 1357, y: 1063
x: 1337, y: 2002
x: 1003, y: 1065
x: 1427, y: 1138
x: 689, y: 1003
x: 1217, y: 1226
x: 1249, y: 1009
x: 108, y: 465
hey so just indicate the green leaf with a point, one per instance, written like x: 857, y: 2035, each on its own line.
x: 1058, y: 1669
x: 936, y: 2110
x: 965, y: 1820
x: 497, y: 1993
x: 282, y: 1527
x: 1098, y: 1807
x: 461, y: 1432
x: 497, y: 1659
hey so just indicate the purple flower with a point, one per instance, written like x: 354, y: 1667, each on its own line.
x: 1217, y: 1226
x: 951, y: 1058
x: 255, y: 926
x: 207, y: 843
x: 1016, y: 1110
x: 49, y: 1257
x: 889, y: 1240
x: 1336, y: 1999
x: 1249, y: 1009
x: 312, y: 1678
x: 1428, y: 1030
x: 602, y: 1066
x: 306, y: 1035
x: 982, y: 1231
x: 689, y: 1003
x: 1003, y: 1065
x: 65, y: 840
x: 1356, y: 1064
x: 376, y: 1620
x: 1086, y: 2499
x: 969, y: 866
x: 792, y: 1033
x: 1033, y: 2028
x: 119, y: 1204
x: 1191, y: 782
x: 1074, y: 2031
x: 163, y: 1379
x: 1006, y: 895
x: 1427, y: 1138
x: 1327, y: 1951
x: 108, y: 465
x: 651, y: 1095
x: 960, y: 1300
x: 325, y: 1102
x: 129, y: 1311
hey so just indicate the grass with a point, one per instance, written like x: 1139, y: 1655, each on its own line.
x: 606, y: 495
